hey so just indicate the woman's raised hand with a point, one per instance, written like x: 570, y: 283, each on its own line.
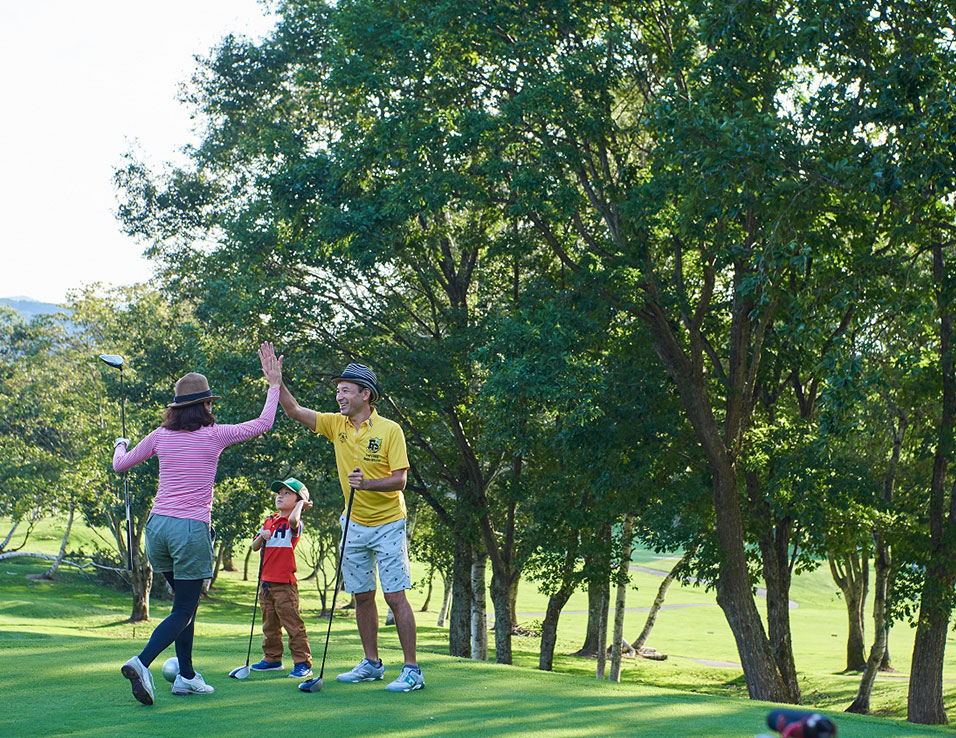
x: 271, y: 365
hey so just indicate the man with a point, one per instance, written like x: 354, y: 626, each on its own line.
x: 371, y: 458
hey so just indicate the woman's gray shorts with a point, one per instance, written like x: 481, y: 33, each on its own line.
x: 385, y: 545
x: 181, y: 546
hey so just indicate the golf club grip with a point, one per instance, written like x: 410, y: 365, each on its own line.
x: 338, y: 573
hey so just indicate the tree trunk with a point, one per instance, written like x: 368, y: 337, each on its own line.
x: 734, y: 594
x: 620, y: 599
x: 661, y: 594
x: 777, y: 577
x: 882, y: 586
x: 26, y: 537
x: 49, y: 574
x: 215, y: 569
x: 322, y: 585
x: 428, y: 591
x: 886, y: 664
x: 227, y: 553
x: 596, y: 599
x: 245, y: 567
x: 775, y: 536
x: 513, y: 599
x: 6, y: 540
x: 736, y: 599
x: 501, y: 599
x: 851, y: 572
x: 549, y: 627
x: 602, y: 633
x: 502, y: 572
x: 459, y: 631
x: 556, y: 603
x: 445, y: 599
x: 479, y: 609
x: 141, y: 580
x: 925, y: 699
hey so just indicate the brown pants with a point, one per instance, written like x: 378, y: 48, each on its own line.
x: 280, y: 609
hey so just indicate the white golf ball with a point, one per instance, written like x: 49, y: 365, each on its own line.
x: 171, y: 669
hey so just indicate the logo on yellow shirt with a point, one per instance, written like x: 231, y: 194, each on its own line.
x: 374, y: 444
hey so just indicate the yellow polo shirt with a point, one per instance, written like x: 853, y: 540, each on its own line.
x: 378, y: 449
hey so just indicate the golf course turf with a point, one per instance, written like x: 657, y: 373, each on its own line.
x: 62, y: 644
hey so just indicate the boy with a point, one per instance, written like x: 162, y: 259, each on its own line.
x: 279, y: 593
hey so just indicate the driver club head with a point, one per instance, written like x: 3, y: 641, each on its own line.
x: 312, y: 685
x: 239, y: 673
x: 112, y: 360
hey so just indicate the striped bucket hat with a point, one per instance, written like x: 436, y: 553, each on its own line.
x: 363, y: 377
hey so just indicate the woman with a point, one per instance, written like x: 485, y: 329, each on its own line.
x: 178, y: 544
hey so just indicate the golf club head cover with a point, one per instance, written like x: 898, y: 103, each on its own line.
x: 801, y: 724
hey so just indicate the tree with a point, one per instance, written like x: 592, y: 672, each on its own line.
x: 50, y: 424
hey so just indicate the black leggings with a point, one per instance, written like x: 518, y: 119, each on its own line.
x: 178, y: 627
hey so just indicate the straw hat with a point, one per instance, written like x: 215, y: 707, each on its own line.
x: 192, y: 388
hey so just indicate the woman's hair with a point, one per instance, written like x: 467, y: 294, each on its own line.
x: 187, y: 418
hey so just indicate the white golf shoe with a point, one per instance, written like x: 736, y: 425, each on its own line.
x: 140, y: 679
x: 366, y: 671
x: 196, y: 685
x: 409, y: 680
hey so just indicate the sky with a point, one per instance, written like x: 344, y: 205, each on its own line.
x: 83, y: 83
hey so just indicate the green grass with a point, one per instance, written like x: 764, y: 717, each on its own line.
x: 62, y: 644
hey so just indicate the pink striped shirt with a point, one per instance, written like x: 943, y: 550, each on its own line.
x: 188, y: 461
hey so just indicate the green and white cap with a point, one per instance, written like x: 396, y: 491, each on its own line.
x: 301, y: 491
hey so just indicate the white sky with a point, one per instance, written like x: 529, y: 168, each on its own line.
x: 84, y: 82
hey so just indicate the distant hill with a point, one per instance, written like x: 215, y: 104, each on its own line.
x: 29, y: 308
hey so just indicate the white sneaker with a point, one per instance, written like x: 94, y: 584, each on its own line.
x: 196, y: 685
x: 140, y: 679
x: 410, y: 679
x: 366, y: 671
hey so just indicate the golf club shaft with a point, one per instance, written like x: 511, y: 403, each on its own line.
x: 129, y: 525
x: 338, y: 572
x: 129, y: 522
x: 255, y: 604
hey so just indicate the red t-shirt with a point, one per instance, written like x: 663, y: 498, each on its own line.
x: 278, y: 562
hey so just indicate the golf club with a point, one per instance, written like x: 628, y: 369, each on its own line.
x: 117, y: 363
x: 241, y: 672
x: 314, y: 685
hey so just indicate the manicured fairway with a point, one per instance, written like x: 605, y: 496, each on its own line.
x: 63, y: 685
x: 62, y: 644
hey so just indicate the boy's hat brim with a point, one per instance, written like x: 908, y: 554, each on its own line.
x: 301, y: 491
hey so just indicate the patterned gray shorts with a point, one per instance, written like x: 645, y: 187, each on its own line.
x: 385, y: 545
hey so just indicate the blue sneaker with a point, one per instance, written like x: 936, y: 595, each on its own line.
x: 266, y: 666
x: 410, y: 678
x: 301, y: 671
x: 366, y: 671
